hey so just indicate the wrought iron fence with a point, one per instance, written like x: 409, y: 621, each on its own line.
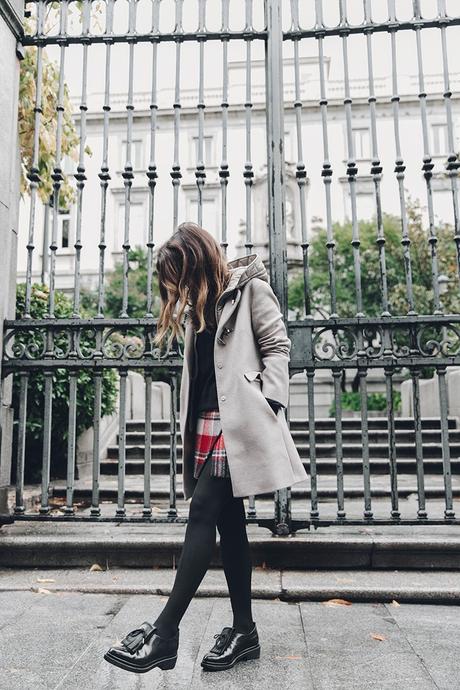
x: 333, y: 343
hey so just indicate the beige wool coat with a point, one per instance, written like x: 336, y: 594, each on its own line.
x: 251, y: 361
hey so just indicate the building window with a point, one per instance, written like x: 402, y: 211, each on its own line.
x: 209, y: 214
x: 361, y: 142
x: 137, y: 225
x: 439, y: 135
x: 63, y: 239
x: 137, y: 154
x: 208, y: 151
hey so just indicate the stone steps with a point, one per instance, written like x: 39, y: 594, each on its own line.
x: 325, y: 466
x: 32, y: 545
x: 322, y: 423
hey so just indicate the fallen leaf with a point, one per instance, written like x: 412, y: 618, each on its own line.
x: 95, y: 568
x: 290, y: 658
x: 337, y: 602
x: 380, y: 638
x: 45, y: 579
x: 41, y: 590
x: 395, y: 603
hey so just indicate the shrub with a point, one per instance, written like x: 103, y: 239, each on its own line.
x: 35, y: 400
x: 351, y: 400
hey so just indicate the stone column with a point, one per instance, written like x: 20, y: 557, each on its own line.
x: 11, y: 12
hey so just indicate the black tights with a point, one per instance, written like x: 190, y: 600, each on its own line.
x: 212, y: 505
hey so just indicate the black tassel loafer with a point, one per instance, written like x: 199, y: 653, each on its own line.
x: 143, y: 649
x: 231, y: 646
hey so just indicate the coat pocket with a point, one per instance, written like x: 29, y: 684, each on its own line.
x: 253, y: 374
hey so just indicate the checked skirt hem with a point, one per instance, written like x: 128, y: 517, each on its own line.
x: 209, y: 445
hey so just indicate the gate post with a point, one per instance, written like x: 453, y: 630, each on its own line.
x: 276, y: 194
x: 11, y: 13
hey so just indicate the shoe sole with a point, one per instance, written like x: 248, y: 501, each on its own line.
x: 247, y: 655
x: 165, y: 664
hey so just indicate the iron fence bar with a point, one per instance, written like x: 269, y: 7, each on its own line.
x: 300, y: 174
x: 352, y: 168
x: 376, y: 166
x: 147, y: 510
x: 337, y: 375
x: 127, y: 174
x: 337, y: 323
x: 71, y: 441
x: 314, y: 506
x: 275, y: 190
x: 248, y: 173
x: 176, y: 174
x: 104, y: 174
x: 152, y: 174
x: 172, y: 512
x: 362, y: 373
x: 251, y: 511
x: 400, y: 167
x: 421, y: 512
x: 121, y: 510
x: 369, y: 27
x: 200, y: 170
x: 395, y: 514
x: 96, y: 465
x: 428, y: 164
x: 327, y: 171
x: 57, y: 175
x: 224, y: 172
x: 46, y: 452
x: 452, y: 164
x: 185, y: 36
x: 449, y: 512
x: 33, y: 174
x: 297, y: 524
x: 19, y: 507
x: 80, y: 175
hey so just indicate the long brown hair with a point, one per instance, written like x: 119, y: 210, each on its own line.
x: 192, y: 270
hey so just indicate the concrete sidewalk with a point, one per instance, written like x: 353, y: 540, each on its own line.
x: 50, y: 641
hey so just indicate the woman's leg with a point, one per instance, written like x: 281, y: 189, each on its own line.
x: 236, y: 559
x: 210, y: 497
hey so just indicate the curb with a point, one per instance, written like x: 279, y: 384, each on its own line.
x: 371, y: 552
x: 411, y: 595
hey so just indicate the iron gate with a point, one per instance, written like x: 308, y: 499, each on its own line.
x: 331, y: 342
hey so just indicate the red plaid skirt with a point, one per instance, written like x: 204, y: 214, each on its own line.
x: 209, y: 443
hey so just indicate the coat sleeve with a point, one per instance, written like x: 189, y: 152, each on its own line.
x: 271, y: 335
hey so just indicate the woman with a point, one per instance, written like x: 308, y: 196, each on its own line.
x: 234, y: 443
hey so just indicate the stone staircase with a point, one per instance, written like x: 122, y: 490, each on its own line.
x: 325, y: 447
x: 300, y: 493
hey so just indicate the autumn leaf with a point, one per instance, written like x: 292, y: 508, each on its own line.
x: 379, y: 638
x: 337, y: 602
x: 289, y: 658
x: 395, y: 603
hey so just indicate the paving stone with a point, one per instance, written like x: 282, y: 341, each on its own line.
x: 283, y: 661
x: 343, y: 653
x: 434, y: 634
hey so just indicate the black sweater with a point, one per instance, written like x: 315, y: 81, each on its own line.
x: 205, y: 392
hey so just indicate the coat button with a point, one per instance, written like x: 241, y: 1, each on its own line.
x: 220, y: 365
x: 222, y: 397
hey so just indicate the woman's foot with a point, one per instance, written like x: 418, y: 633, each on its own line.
x: 231, y: 646
x: 143, y: 649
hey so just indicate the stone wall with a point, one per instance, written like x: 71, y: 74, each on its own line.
x: 10, y: 18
